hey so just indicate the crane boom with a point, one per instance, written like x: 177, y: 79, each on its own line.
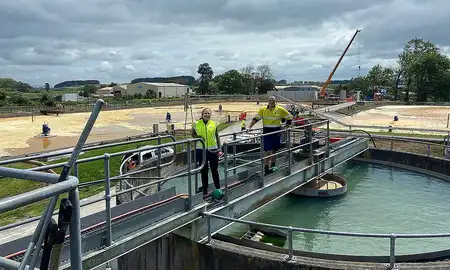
x: 324, y: 87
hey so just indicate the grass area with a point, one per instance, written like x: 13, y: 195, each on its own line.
x: 411, y: 147
x: 90, y: 171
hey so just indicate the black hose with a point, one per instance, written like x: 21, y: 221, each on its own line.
x: 370, y: 136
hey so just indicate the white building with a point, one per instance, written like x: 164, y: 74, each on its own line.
x: 161, y: 89
x: 70, y: 97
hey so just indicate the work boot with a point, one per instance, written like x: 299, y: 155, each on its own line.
x: 274, y: 168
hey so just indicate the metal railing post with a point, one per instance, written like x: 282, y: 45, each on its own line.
x: 225, y: 170
x: 291, y: 250
x: 189, y: 160
x: 159, y: 163
x: 261, y: 152
x: 75, y: 231
x: 392, y: 143
x: 75, y: 170
x: 392, y: 252
x: 289, y: 150
x: 108, y: 200
x: 196, y: 174
x: 428, y: 149
x: 328, y: 138
x: 310, y: 135
x: 208, y: 222
x: 234, y: 153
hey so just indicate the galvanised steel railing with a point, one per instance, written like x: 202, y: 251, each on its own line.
x: 60, y: 184
x: 290, y: 230
x: 350, y: 127
x: 64, y: 183
x: 288, y: 151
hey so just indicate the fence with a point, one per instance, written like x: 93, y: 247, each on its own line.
x: 290, y: 230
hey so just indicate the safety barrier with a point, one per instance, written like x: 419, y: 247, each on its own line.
x: 69, y: 214
x: 65, y: 183
x: 290, y: 230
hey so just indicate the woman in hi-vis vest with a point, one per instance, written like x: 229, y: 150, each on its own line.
x: 207, y: 129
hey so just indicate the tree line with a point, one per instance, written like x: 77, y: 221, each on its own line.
x: 423, y: 74
x: 249, y: 80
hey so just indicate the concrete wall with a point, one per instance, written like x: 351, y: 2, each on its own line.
x: 183, y: 254
x: 430, y: 165
x: 296, y: 95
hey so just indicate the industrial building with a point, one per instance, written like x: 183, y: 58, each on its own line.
x: 161, y: 89
x: 74, y: 97
x: 302, y: 87
x: 297, y: 92
x: 111, y: 90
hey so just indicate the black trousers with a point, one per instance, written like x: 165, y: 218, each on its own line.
x: 213, y: 161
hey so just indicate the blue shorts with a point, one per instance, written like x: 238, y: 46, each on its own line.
x: 272, y: 142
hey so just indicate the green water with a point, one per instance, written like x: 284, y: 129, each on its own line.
x: 379, y: 200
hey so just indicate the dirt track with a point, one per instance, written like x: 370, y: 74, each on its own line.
x: 426, y: 117
x: 18, y: 133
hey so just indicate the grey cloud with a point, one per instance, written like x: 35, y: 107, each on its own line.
x: 50, y: 40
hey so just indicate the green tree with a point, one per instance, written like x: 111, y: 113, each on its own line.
x: 19, y: 99
x: 150, y: 94
x: 3, y: 96
x: 380, y: 77
x: 47, y: 87
x: 266, y: 85
x: 8, y: 83
x: 248, y: 75
x: 23, y: 87
x: 47, y: 100
x: 230, y: 82
x: 206, y: 76
x: 88, y: 90
x: 425, y: 70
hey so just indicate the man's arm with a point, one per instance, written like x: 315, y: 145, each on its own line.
x: 286, y: 115
x: 257, y: 117
x: 254, y: 121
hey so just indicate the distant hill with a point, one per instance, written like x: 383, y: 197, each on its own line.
x: 186, y: 80
x: 75, y: 83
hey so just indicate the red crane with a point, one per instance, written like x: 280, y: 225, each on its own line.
x: 324, y: 87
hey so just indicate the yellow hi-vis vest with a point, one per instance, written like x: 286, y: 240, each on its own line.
x: 207, y: 132
x: 272, y: 118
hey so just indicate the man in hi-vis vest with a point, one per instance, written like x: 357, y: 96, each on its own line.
x: 272, y: 116
x: 207, y: 129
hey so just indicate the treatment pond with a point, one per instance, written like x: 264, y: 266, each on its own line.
x: 379, y: 199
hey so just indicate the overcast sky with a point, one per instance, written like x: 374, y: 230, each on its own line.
x: 119, y: 40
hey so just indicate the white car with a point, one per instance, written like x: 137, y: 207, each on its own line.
x: 151, y: 155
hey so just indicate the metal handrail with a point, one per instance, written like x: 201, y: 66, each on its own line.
x: 85, y: 149
x: 63, y: 184
x: 119, y: 177
x: 362, y: 126
x: 264, y: 157
x: 290, y: 230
